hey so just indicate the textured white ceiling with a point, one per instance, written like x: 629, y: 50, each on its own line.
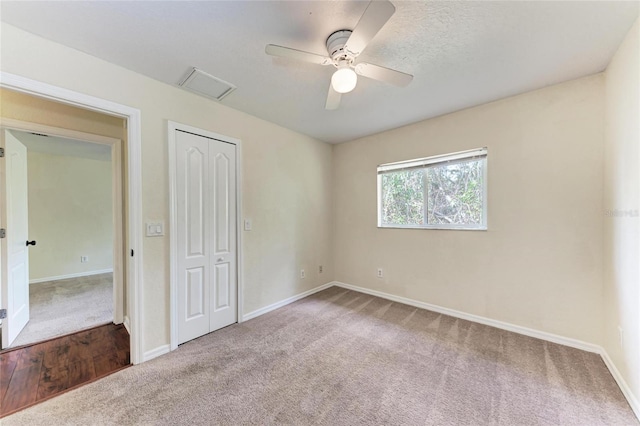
x: 461, y: 53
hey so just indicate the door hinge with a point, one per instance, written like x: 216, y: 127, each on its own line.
x: 3, y: 233
x: 131, y: 252
x: 3, y: 313
x: 1, y: 152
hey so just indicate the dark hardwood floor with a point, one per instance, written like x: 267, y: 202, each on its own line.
x: 33, y: 373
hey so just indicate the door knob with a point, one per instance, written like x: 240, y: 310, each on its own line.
x: 220, y: 259
x: 31, y: 243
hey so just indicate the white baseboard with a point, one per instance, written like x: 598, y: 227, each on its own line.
x: 284, y: 302
x: 567, y: 341
x: 155, y: 353
x: 76, y: 275
x: 624, y: 387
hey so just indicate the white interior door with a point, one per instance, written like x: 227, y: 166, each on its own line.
x: 223, y: 298
x: 206, y: 235
x: 15, y: 289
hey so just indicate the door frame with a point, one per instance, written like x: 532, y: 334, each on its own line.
x: 116, y: 195
x: 172, y: 127
x: 133, y: 319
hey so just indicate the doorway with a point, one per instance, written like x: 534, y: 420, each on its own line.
x: 133, y: 250
x: 73, y: 205
x: 204, y: 189
x: 70, y: 277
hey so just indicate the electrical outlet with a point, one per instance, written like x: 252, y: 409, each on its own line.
x: 84, y: 259
x: 302, y: 275
x: 320, y: 269
x: 380, y: 274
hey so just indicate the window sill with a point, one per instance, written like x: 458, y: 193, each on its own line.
x: 438, y: 228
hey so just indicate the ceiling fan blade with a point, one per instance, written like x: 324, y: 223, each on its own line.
x: 333, y: 99
x: 372, y: 20
x: 386, y: 75
x: 286, y: 52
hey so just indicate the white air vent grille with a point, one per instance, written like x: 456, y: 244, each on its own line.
x: 207, y: 85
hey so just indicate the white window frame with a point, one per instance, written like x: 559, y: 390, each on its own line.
x: 434, y: 161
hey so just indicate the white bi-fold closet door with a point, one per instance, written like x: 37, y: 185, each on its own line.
x: 206, y: 196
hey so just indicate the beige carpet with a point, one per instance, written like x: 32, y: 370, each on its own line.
x: 64, y: 306
x: 345, y: 358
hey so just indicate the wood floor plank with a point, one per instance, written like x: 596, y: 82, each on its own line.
x: 23, y: 387
x: 121, y: 337
x: 104, y: 364
x: 103, y: 343
x: 80, y: 347
x: 57, y: 353
x: 8, y: 363
x: 81, y: 371
x: 53, y: 380
x: 54, y: 375
x: 22, y: 390
x: 124, y: 357
x: 30, y: 357
x: 92, y: 335
x: 31, y: 374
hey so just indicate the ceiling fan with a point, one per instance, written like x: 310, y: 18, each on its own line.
x: 343, y: 47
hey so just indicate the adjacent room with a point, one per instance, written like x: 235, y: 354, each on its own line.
x: 71, y: 222
x: 313, y: 212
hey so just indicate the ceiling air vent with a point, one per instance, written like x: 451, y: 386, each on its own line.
x: 207, y: 85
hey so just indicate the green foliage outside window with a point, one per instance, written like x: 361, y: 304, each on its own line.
x: 454, y: 195
x: 403, y: 197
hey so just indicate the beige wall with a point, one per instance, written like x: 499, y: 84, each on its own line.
x: 539, y: 265
x: 291, y: 220
x: 287, y: 195
x: 70, y: 215
x: 23, y: 107
x: 622, y: 208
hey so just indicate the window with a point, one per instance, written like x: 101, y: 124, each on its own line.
x: 441, y: 192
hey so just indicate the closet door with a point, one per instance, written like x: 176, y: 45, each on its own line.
x: 206, y: 240
x: 223, y: 299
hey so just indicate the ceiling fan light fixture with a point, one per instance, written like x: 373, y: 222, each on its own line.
x: 343, y: 47
x: 344, y: 80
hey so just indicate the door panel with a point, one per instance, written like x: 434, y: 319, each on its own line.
x: 224, y: 294
x: 206, y: 228
x: 16, y: 289
x: 221, y: 200
x: 195, y: 165
x: 195, y: 293
x: 192, y: 176
x: 222, y: 287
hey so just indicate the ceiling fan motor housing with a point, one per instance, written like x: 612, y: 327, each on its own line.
x: 335, y: 46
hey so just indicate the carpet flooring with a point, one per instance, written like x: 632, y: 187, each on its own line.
x: 344, y: 358
x: 64, y: 306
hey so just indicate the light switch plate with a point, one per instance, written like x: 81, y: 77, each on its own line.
x: 155, y: 229
x: 247, y: 224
